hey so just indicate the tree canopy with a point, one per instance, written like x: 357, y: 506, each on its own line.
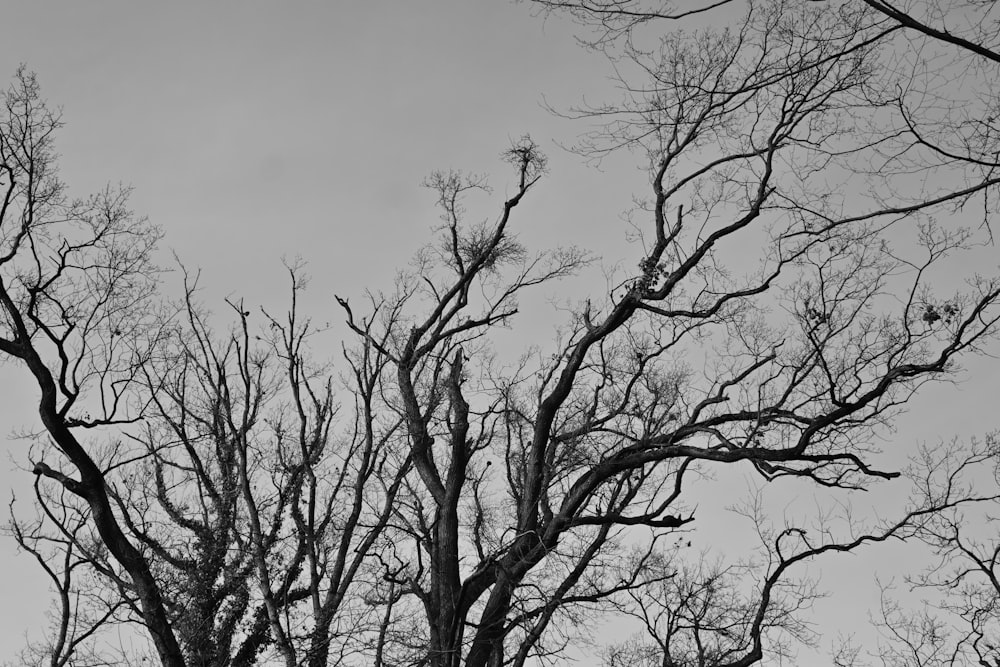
x: 814, y: 171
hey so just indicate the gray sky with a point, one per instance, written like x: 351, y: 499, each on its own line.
x: 253, y: 131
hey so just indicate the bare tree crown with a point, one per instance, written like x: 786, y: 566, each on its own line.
x: 427, y: 500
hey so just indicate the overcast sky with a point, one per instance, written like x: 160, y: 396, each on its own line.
x: 254, y: 131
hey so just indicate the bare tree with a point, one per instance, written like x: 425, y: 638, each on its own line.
x: 807, y: 348
x: 58, y: 541
x: 231, y: 512
x: 467, y: 507
x: 76, y: 274
x: 257, y: 509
